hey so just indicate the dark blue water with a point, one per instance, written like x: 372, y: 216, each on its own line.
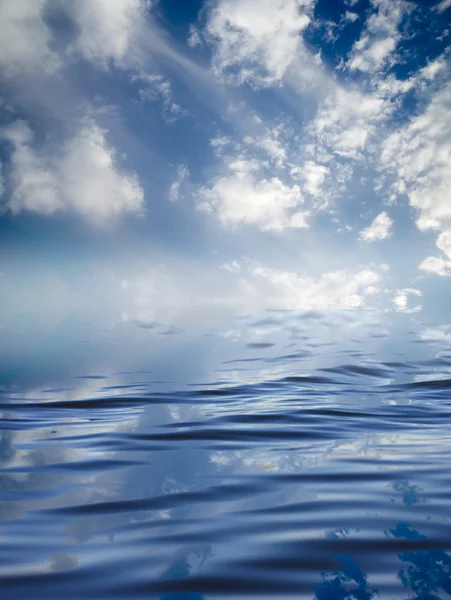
x: 285, y: 473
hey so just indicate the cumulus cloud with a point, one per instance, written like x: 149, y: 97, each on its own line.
x: 242, y: 197
x: 34, y: 182
x: 255, y: 41
x: 274, y: 175
x: 345, y: 120
x: 444, y: 242
x: 401, y: 300
x: 25, y: 39
x: 379, y: 38
x: 421, y: 154
x: 437, y: 265
x: 313, y: 176
x: 418, y: 156
x: 105, y: 31
x: 380, y: 229
x: 83, y: 177
x: 106, y: 28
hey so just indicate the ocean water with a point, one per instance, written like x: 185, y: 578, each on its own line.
x: 289, y: 464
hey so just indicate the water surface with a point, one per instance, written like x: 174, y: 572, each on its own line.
x: 294, y: 468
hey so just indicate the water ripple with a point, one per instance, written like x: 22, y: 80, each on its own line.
x: 331, y: 483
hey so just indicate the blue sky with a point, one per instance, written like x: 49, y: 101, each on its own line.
x: 185, y: 163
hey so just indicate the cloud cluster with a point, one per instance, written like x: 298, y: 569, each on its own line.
x: 256, y: 41
x: 355, y: 126
x: 345, y: 121
x: 84, y: 178
x: 381, y: 34
x: 81, y: 175
x: 418, y: 156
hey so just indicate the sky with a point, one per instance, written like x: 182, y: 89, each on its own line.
x: 167, y: 165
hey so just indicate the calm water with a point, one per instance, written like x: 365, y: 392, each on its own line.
x: 299, y: 470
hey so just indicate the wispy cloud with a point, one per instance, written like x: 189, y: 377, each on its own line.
x: 176, y: 186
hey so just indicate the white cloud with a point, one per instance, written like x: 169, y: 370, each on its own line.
x: 437, y: 265
x: 244, y: 198
x: 270, y: 143
x: 436, y: 334
x: 174, y: 190
x: 194, y: 37
x: 444, y: 5
x: 256, y: 40
x: 380, y: 36
x: 183, y: 294
x: 419, y: 155
x: 444, y: 242
x: 380, y: 229
x: 83, y: 178
x: 220, y: 143
x: 431, y: 70
x: 350, y: 123
x: 351, y: 16
x: 330, y: 291
x: 107, y: 28
x: 345, y: 120
x: 25, y: 39
x: 313, y: 176
x: 159, y: 88
x: 186, y: 292
x: 34, y: 182
x: 401, y: 300
x: 232, y: 266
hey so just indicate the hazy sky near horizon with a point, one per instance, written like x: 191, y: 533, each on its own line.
x: 169, y: 163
